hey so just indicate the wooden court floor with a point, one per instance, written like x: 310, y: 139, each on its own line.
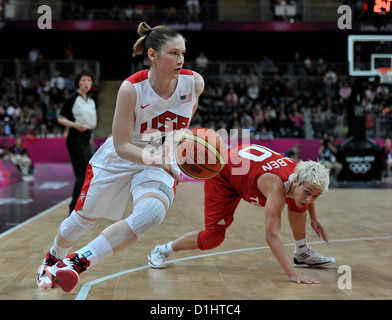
x: 358, y: 223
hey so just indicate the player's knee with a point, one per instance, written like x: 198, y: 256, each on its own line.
x: 157, y: 187
x: 210, y: 238
x: 147, y: 214
x: 74, y: 227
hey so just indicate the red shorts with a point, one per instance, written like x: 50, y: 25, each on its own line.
x: 220, y: 203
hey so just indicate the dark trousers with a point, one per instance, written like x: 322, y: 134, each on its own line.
x: 78, y: 145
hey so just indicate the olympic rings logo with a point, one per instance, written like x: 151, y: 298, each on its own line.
x: 360, y: 167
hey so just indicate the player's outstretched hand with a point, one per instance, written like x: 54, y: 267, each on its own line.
x: 319, y: 229
x: 296, y: 278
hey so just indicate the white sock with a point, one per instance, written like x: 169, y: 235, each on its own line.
x: 58, y: 252
x: 167, y: 248
x: 96, y: 250
x: 300, y: 246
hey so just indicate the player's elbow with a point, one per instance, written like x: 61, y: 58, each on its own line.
x: 271, y: 237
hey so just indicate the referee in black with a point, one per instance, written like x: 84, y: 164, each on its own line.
x: 79, y: 114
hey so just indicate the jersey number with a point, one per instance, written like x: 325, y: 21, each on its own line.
x: 259, y: 153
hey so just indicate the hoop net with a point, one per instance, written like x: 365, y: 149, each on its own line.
x: 385, y: 74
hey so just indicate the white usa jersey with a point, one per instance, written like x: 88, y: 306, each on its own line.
x: 157, y: 117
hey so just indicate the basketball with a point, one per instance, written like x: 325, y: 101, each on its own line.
x: 201, y: 153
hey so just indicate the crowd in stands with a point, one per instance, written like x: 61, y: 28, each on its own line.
x: 272, y: 107
x: 267, y: 102
x: 134, y: 10
x: 29, y: 106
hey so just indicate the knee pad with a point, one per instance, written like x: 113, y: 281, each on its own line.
x: 74, y: 227
x: 156, y: 187
x: 147, y: 214
x: 210, y: 238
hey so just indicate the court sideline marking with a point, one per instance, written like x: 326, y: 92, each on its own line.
x: 85, y: 289
x: 20, y: 225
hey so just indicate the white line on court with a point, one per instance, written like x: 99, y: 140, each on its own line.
x: 33, y: 218
x: 85, y: 289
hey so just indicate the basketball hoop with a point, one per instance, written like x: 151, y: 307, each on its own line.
x: 385, y: 74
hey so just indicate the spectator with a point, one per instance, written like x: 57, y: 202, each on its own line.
x: 3, y: 113
x: 258, y: 115
x: 57, y: 81
x: 330, y: 80
x: 193, y: 7
x: 69, y: 83
x: 382, y: 93
x: 308, y: 65
x: 253, y: 91
x: 252, y: 76
x: 201, y: 63
x: 318, y: 122
x: 288, y: 92
x: 37, y: 113
x: 128, y: 12
x: 267, y: 65
x: 370, y: 93
x: 242, y: 93
x: 284, y: 124
x: 69, y: 53
x: 327, y: 153
x: 247, y: 124
x: 231, y: 97
x: 8, y: 127
x: 138, y: 11
x: 263, y: 134
x: 298, y: 124
x: 34, y: 55
x: 19, y: 156
x: 25, y: 114
x: 345, y: 91
x: 238, y: 77
x: 270, y: 119
x: 4, y: 151
x: 293, y: 152
x: 387, y: 157
x: 297, y: 64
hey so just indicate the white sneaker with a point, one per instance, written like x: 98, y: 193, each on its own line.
x: 311, y: 259
x: 44, y: 278
x: 157, y: 258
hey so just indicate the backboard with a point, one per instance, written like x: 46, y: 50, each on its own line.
x: 368, y: 53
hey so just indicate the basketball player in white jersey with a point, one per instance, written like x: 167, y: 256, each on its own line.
x: 151, y: 105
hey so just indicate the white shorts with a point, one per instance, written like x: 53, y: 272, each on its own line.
x: 109, y: 183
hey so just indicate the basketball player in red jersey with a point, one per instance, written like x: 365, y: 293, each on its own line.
x: 152, y: 105
x: 267, y: 179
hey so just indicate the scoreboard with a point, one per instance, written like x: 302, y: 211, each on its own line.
x: 377, y: 7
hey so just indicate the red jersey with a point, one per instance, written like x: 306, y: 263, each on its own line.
x: 246, y: 163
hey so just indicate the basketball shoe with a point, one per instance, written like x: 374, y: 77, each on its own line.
x: 311, y: 259
x: 66, y: 272
x: 44, y: 279
x: 157, y: 258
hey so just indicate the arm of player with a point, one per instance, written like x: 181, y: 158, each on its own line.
x: 272, y: 188
x: 199, y: 88
x: 316, y: 225
x: 123, y: 127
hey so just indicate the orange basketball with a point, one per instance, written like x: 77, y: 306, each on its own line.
x: 201, y: 153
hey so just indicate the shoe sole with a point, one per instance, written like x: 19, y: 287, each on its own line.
x: 298, y: 264
x: 68, y: 279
